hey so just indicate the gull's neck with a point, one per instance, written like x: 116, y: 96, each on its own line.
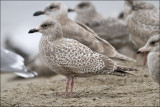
x: 53, y: 36
x: 155, y: 50
x: 61, y: 18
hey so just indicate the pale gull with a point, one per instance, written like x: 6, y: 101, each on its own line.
x: 153, y: 48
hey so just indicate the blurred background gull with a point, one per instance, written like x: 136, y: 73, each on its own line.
x: 14, y: 63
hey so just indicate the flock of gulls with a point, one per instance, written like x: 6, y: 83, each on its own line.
x: 88, y: 45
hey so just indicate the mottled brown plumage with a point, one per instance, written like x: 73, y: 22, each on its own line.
x: 69, y: 57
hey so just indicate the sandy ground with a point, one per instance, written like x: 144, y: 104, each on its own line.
x: 139, y: 90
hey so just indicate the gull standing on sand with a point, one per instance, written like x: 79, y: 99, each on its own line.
x: 12, y: 62
x: 142, y: 20
x: 111, y: 29
x: 153, y: 48
x: 80, y: 32
x: 71, y: 58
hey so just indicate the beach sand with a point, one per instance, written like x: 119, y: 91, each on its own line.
x: 106, y: 90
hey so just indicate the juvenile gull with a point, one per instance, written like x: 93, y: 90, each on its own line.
x: 80, y: 32
x: 12, y: 62
x: 108, y: 28
x: 71, y: 58
x: 153, y: 48
x: 142, y: 20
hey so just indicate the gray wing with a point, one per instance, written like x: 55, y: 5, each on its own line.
x: 112, y: 30
x: 108, y: 46
x: 108, y: 49
x: 86, y: 28
x: 109, y: 28
x: 12, y: 62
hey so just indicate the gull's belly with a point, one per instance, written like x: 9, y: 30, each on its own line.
x: 154, y: 66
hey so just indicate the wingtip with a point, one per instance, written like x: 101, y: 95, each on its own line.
x: 125, y: 58
x: 124, y: 68
x: 27, y: 73
x: 121, y: 73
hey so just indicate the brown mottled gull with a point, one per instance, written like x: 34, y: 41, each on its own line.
x: 152, y: 47
x: 80, y: 32
x: 71, y: 58
x: 142, y: 20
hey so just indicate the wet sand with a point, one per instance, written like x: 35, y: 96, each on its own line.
x: 138, y: 90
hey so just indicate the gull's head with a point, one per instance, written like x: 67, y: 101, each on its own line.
x: 48, y: 27
x: 131, y: 4
x: 139, y: 5
x: 83, y: 8
x: 153, y: 44
x: 55, y: 9
x: 143, y: 5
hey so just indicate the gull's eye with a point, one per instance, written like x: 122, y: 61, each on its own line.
x: 51, y: 7
x: 134, y: 7
x: 82, y: 5
x: 153, y: 43
x: 44, y: 25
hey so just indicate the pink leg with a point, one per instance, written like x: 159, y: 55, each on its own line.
x: 67, y: 86
x: 72, y: 84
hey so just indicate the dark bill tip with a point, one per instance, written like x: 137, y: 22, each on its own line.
x: 71, y: 10
x: 121, y: 15
x: 33, y: 31
x: 38, y: 13
x: 138, y: 52
x: 134, y: 7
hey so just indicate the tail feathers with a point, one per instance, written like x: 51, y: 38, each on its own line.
x: 122, y: 68
x: 121, y: 73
